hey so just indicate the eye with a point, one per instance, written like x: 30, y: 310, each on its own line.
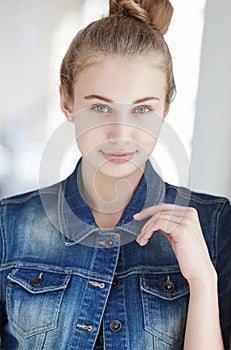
x: 142, y: 109
x: 100, y: 108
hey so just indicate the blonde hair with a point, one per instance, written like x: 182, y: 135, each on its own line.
x: 133, y: 28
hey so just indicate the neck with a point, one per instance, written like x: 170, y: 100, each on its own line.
x: 105, y: 194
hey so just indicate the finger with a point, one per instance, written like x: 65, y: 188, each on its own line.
x: 161, y: 225
x: 147, y: 212
x: 169, y: 216
x: 175, y: 224
x: 143, y: 239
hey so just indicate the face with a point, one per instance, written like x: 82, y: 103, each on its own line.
x: 118, y: 109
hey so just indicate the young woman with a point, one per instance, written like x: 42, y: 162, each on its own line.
x: 113, y: 257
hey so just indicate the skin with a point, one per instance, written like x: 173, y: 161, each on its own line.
x: 118, y: 126
x: 116, y: 139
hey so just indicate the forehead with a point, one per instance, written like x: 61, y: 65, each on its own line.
x: 121, y: 79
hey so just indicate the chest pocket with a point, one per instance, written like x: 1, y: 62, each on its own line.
x: 33, y: 300
x: 165, y: 302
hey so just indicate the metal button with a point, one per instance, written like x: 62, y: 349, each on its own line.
x: 107, y: 243
x: 37, y: 281
x: 115, y: 326
x: 169, y: 285
x: 115, y: 282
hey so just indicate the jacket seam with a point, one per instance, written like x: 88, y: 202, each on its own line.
x: 88, y: 274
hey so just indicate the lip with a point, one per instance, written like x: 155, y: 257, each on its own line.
x: 118, y: 157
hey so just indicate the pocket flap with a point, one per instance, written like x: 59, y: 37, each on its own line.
x: 157, y: 285
x: 165, y: 298
x: 49, y: 281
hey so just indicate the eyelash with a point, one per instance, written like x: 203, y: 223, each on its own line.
x: 95, y: 108
x: 147, y: 107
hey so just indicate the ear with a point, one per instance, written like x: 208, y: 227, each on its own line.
x: 66, y: 104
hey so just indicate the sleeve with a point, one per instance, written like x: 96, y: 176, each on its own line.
x: 3, y: 317
x: 223, y: 268
x: 2, y: 323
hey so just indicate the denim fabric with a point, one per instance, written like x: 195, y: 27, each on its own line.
x: 62, y: 277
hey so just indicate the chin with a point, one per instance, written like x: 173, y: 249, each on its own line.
x: 121, y: 170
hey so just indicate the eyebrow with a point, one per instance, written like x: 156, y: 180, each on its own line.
x: 106, y: 99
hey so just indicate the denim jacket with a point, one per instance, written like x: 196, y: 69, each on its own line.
x: 62, y: 277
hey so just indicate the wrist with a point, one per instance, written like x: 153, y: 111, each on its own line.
x: 206, y: 282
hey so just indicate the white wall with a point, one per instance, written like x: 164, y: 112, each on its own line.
x: 29, y: 83
x: 211, y: 146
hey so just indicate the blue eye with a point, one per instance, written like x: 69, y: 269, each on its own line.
x: 142, y: 110
x: 101, y: 109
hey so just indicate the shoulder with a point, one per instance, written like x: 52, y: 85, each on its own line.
x: 30, y: 218
x: 212, y: 210
x: 214, y: 214
x: 22, y: 207
x: 21, y: 198
x: 31, y: 197
x: 204, y: 203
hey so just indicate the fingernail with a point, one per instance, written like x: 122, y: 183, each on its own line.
x: 135, y: 215
x: 142, y: 243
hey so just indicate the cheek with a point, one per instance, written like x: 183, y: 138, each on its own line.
x: 147, y: 131
x: 146, y: 141
x: 89, y: 141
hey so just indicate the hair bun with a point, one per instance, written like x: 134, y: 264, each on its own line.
x: 157, y: 13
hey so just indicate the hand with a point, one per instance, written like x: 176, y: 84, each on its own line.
x: 181, y: 226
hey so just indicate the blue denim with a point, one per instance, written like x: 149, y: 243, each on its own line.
x: 62, y: 277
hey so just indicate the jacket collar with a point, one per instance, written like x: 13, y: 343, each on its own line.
x: 76, y: 220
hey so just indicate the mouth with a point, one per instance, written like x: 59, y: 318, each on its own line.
x: 119, y: 157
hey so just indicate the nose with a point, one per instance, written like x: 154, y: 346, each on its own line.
x: 120, y: 132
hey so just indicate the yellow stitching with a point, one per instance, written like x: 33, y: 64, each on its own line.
x: 96, y: 284
x: 89, y: 328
